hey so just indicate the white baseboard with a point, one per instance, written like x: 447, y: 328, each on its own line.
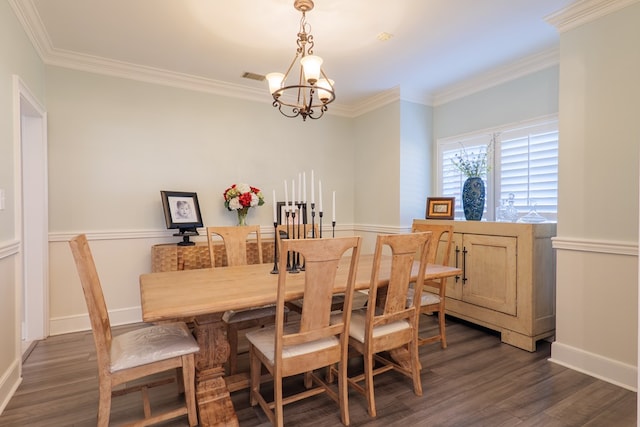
x: 609, y: 370
x: 9, y: 383
x: 81, y: 322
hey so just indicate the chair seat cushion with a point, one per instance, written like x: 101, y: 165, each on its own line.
x: 264, y: 340
x: 151, y: 343
x: 356, y: 328
x: 233, y: 316
x: 427, y: 298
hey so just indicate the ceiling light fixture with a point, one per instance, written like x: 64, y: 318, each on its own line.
x: 310, y: 95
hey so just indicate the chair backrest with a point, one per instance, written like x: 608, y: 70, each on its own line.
x: 94, y: 298
x: 441, y: 241
x: 295, y: 231
x: 322, y: 257
x: 235, y: 242
x: 391, y: 304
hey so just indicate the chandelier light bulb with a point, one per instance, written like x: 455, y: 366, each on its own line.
x: 311, y: 65
x: 325, y: 87
x: 275, y: 81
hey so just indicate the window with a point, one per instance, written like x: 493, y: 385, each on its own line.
x: 524, y: 161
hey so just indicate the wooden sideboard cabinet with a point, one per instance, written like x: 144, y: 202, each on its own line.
x: 171, y: 257
x: 508, y: 279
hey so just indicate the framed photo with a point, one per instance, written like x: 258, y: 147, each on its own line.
x: 282, y: 214
x: 440, y: 207
x: 181, y: 210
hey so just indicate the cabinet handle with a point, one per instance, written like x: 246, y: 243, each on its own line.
x: 457, y: 263
x: 464, y: 265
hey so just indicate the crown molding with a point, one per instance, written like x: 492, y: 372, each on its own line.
x: 512, y: 71
x: 32, y: 24
x: 584, y: 11
x: 29, y: 18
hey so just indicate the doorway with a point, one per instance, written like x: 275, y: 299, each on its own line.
x: 32, y: 215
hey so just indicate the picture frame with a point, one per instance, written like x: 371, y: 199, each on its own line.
x: 282, y: 209
x: 181, y: 210
x: 440, y: 207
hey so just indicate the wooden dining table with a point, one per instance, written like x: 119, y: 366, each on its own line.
x: 201, y: 296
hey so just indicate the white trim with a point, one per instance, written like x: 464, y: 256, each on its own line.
x: 584, y: 11
x: 499, y: 75
x: 32, y: 24
x: 9, y: 248
x: 81, y: 322
x: 603, y: 368
x: 162, y: 234
x: 599, y: 246
x: 10, y: 382
x: 32, y: 267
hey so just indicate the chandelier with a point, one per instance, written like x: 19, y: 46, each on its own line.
x: 313, y: 91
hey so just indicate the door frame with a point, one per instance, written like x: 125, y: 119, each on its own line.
x: 31, y: 221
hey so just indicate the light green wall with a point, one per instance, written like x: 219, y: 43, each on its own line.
x: 377, y: 166
x: 18, y: 57
x: 598, y: 185
x: 115, y: 143
x: 416, y: 172
x: 524, y: 98
x: 600, y: 128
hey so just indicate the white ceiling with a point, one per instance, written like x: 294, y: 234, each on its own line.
x: 435, y: 45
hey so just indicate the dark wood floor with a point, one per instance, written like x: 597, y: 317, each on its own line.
x: 477, y: 381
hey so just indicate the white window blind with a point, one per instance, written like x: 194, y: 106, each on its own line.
x: 524, y: 162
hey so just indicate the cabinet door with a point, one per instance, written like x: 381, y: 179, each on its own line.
x: 490, y: 277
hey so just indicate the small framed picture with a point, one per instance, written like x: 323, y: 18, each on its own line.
x: 181, y: 209
x: 440, y: 207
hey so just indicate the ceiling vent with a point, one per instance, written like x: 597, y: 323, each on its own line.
x: 253, y: 76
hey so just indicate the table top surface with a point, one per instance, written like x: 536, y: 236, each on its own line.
x: 188, y: 293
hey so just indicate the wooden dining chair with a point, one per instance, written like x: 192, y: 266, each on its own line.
x: 386, y: 323
x: 434, y: 291
x: 235, y: 243
x: 135, y: 354
x: 313, y: 342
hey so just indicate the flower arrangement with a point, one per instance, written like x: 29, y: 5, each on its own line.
x: 241, y: 197
x: 474, y: 165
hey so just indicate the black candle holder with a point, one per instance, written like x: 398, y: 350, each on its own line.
x: 320, y: 224
x: 294, y: 264
x: 275, y: 248
x: 333, y: 229
x: 303, y: 212
x: 287, y: 214
x: 313, y: 220
x: 299, y: 235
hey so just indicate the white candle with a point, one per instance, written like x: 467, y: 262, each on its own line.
x: 275, y: 211
x: 286, y: 195
x: 304, y: 188
x: 334, y: 207
x: 299, y: 188
x: 320, y: 194
x: 313, y: 198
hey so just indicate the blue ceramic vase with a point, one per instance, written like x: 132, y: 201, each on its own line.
x: 473, y: 195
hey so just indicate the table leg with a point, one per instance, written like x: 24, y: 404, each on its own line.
x: 214, y: 402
